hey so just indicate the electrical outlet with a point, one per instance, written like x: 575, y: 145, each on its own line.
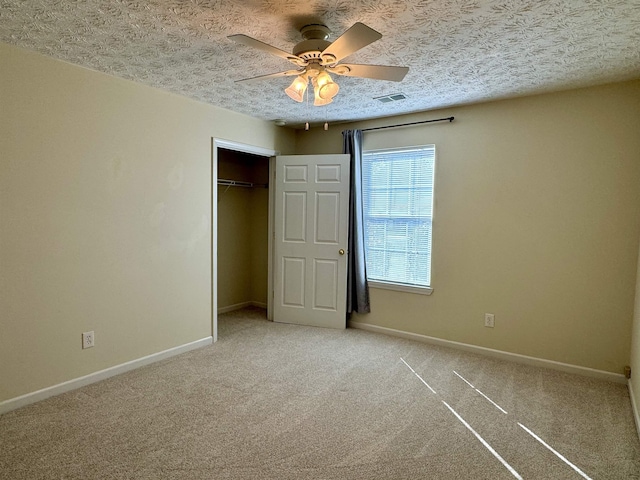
x: 489, y: 320
x: 88, y: 339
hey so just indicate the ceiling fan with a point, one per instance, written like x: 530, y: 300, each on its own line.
x: 315, y: 58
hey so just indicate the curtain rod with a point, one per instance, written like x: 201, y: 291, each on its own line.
x: 450, y: 119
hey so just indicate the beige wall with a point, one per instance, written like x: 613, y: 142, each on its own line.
x: 537, y: 220
x: 635, y: 349
x: 260, y: 244
x: 105, y: 218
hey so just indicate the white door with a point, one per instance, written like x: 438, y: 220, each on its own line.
x: 311, y: 232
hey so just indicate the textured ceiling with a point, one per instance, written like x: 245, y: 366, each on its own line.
x: 458, y: 51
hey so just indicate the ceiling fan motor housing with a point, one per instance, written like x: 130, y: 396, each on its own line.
x: 315, y: 31
x: 314, y: 43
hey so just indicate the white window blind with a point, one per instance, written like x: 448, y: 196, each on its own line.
x: 398, y: 206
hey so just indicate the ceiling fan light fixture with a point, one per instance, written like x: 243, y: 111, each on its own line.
x: 318, y: 100
x: 325, y: 87
x: 329, y: 90
x: 297, y: 88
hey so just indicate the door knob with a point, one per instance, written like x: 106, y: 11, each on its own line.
x: 341, y: 251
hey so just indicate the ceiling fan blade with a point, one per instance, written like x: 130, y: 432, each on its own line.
x: 288, y: 73
x: 357, y: 37
x: 376, y: 72
x: 265, y: 47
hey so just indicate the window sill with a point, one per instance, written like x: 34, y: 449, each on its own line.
x: 400, y: 287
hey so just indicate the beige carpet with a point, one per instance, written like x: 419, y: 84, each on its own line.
x: 273, y: 401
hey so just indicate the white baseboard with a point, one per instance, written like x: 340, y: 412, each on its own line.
x: 634, y: 407
x: 514, y: 357
x: 238, y: 306
x: 29, y: 398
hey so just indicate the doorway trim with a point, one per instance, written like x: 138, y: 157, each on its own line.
x: 244, y: 148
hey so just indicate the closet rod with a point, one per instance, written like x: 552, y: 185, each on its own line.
x: 450, y: 119
x: 239, y: 183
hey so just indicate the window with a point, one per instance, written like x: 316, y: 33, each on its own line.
x: 398, y: 205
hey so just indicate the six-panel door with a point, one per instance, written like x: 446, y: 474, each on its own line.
x: 311, y: 231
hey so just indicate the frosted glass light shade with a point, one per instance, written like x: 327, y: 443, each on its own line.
x: 326, y: 87
x: 318, y: 100
x: 297, y: 88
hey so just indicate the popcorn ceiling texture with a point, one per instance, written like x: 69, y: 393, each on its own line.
x: 458, y: 51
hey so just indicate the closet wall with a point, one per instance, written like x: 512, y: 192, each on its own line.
x: 243, y: 214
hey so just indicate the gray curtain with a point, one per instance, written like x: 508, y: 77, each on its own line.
x: 357, y: 286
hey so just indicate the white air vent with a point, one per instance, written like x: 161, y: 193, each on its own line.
x: 391, y: 98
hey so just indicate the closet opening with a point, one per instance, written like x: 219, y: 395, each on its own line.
x: 241, y: 257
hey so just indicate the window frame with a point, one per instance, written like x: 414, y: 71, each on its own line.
x: 400, y: 286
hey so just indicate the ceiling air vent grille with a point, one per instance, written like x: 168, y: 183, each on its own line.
x: 391, y: 98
